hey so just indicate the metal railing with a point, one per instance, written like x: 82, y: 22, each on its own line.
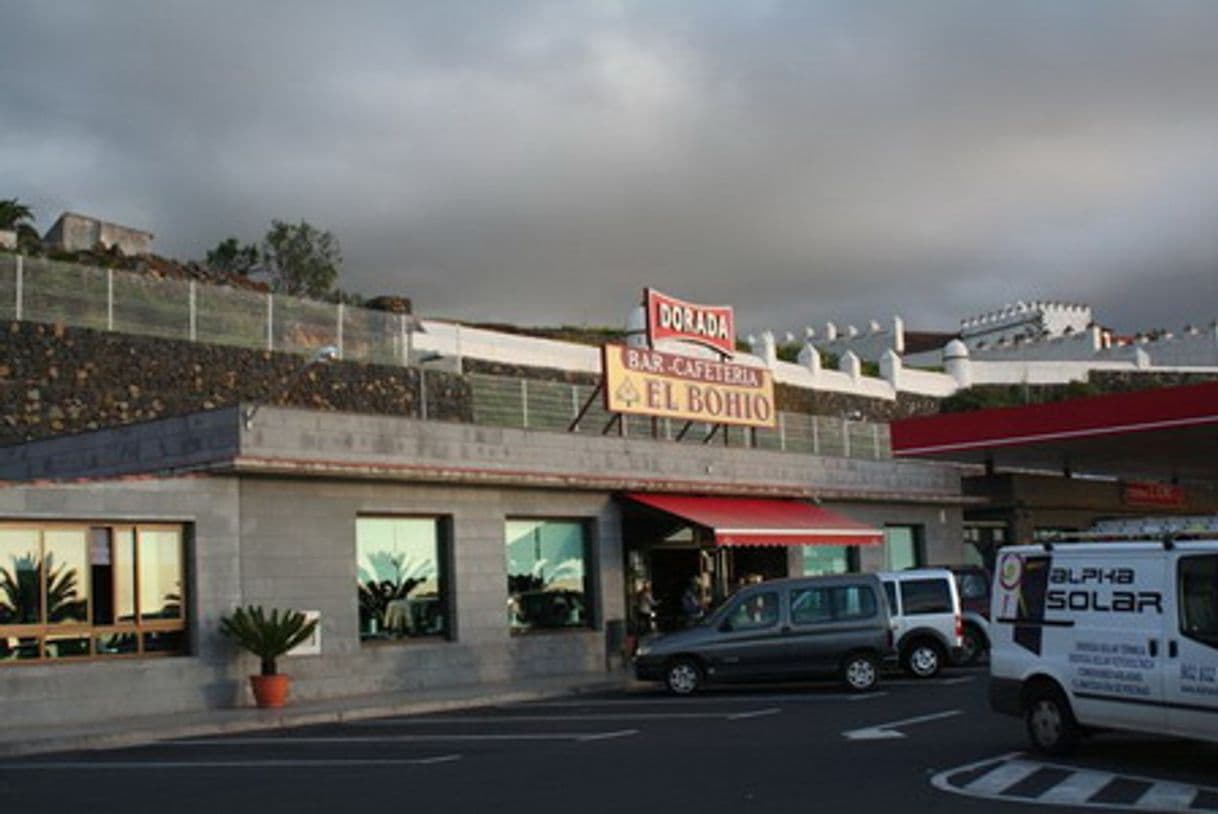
x: 545, y: 405
x: 40, y: 290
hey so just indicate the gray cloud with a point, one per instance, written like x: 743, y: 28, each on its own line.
x: 542, y: 162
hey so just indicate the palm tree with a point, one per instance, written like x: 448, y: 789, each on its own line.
x: 13, y: 213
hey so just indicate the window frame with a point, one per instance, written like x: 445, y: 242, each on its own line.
x: 591, y: 548
x: 445, y: 562
x: 45, y: 630
x: 1181, y: 607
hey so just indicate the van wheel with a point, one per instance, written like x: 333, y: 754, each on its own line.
x: 924, y: 658
x: 972, y: 645
x: 683, y: 676
x: 860, y: 672
x: 1051, y: 725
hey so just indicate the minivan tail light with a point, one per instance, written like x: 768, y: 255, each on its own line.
x: 959, y: 627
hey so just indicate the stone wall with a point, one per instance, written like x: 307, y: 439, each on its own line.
x: 56, y: 380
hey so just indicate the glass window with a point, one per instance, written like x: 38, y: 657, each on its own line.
x: 547, y: 574
x: 920, y: 596
x: 1199, y: 598
x: 756, y: 611
x: 972, y: 585
x: 832, y: 604
x: 68, y: 591
x: 402, y: 585
x: 823, y: 560
x: 890, y: 588
x: 902, y: 548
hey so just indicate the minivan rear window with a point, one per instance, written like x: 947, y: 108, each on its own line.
x: 836, y: 604
x: 919, y: 596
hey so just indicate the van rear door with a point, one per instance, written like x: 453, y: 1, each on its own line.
x: 1191, y: 642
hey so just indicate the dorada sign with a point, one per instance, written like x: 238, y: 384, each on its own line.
x: 648, y: 382
x: 669, y: 318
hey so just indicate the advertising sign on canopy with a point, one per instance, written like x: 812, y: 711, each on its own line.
x: 712, y: 326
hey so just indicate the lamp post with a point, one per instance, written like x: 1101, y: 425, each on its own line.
x: 324, y: 354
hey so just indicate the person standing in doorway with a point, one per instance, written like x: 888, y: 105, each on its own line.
x: 692, y: 605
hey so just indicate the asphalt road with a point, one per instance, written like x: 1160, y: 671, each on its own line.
x: 910, y: 747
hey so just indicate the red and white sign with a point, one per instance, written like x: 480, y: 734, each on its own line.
x: 669, y: 318
x: 1157, y: 495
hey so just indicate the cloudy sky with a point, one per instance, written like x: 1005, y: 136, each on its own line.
x: 542, y: 162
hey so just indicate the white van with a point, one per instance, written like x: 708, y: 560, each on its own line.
x: 1106, y: 635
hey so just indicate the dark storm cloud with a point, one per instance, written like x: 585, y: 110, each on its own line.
x: 542, y: 162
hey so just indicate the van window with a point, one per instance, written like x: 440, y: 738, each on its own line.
x: 972, y: 586
x: 840, y: 603
x: 890, y: 588
x: 1199, y: 598
x: 754, y: 612
x: 919, y: 596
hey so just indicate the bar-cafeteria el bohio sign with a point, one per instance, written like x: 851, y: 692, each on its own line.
x: 647, y: 381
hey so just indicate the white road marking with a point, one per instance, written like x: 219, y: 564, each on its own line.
x: 509, y: 719
x: 757, y: 713
x: 889, y: 730
x: 1165, y: 796
x: 604, y: 736
x: 866, y: 696
x: 1076, y: 789
x: 669, y: 701
x: 76, y: 765
x: 926, y: 682
x: 288, y: 741
x: 1003, y: 777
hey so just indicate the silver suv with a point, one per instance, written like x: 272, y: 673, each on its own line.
x: 926, y: 612
x: 781, y: 629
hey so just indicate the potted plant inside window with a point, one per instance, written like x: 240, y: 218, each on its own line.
x: 268, y: 636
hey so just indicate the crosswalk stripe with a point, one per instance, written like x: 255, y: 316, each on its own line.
x: 1165, y: 796
x: 1002, y: 777
x: 1078, y: 787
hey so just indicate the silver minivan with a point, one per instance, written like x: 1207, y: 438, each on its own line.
x: 781, y: 629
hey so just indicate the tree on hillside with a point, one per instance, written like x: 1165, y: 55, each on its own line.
x: 232, y: 257
x: 302, y: 260
x: 13, y: 213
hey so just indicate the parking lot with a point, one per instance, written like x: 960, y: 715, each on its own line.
x: 911, y: 746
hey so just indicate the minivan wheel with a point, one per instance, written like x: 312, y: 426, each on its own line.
x: 683, y: 676
x: 923, y: 659
x: 860, y: 672
x: 1051, y: 725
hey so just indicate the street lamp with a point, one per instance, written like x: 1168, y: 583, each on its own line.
x: 324, y: 354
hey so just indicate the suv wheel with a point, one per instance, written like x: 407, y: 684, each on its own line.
x: 924, y: 658
x: 972, y: 645
x: 860, y: 672
x: 683, y: 676
x: 1051, y: 725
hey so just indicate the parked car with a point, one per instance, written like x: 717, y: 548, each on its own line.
x: 928, y: 620
x: 781, y: 629
x: 1107, y: 635
x: 973, y: 585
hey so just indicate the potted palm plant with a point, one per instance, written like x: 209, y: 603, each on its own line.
x: 268, y: 636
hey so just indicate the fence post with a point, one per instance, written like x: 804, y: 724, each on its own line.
x: 782, y: 432
x: 194, y: 314
x: 270, y: 321
x: 524, y: 402
x: 109, y: 299
x: 17, y: 306
x: 875, y: 441
x: 404, y: 348
x: 574, y: 402
x: 339, y: 331
x: 815, y: 419
x: 845, y: 437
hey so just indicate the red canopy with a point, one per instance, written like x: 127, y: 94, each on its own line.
x: 750, y: 521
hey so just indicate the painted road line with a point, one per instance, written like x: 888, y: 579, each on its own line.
x: 866, y: 696
x: 77, y: 765
x: 1002, y: 777
x: 670, y: 701
x: 510, y: 719
x: 889, y: 730
x: 471, y: 736
x: 927, y: 682
x: 604, y: 736
x: 1078, y: 788
x: 757, y: 713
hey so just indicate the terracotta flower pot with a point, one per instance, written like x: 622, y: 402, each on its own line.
x: 271, y: 692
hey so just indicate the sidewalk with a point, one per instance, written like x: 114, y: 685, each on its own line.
x: 146, y: 729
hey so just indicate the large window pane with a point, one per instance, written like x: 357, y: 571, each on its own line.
x: 401, y: 582
x: 901, y: 549
x: 20, y: 564
x: 1199, y: 598
x: 826, y: 559
x: 65, y: 554
x: 160, y: 565
x: 547, y: 574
